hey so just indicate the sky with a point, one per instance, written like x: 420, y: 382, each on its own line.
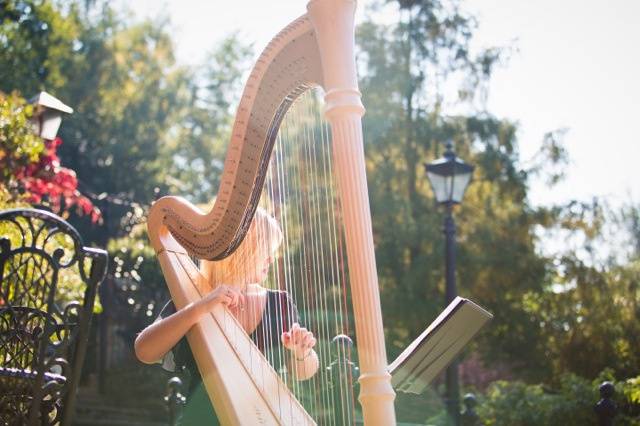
x: 576, y: 66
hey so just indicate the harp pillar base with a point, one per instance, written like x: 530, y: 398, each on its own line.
x: 376, y: 397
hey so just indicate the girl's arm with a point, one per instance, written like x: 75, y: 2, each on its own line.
x: 158, y: 338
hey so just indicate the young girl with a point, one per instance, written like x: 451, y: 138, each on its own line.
x: 268, y: 316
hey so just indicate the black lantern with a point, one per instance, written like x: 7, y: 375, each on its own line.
x: 48, y: 115
x: 449, y: 177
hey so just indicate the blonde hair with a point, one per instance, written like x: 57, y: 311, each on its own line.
x: 264, y: 235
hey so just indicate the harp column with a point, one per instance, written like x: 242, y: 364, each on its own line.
x: 333, y: 21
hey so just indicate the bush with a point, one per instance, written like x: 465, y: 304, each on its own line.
x: 570, y: 403
x: 30, y: 169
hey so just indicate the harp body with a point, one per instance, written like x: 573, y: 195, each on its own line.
x: 317, y: 49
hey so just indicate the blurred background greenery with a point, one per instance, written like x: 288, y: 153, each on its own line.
x: 145, y: 125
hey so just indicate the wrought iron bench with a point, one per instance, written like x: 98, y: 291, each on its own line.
x: 43, y: 335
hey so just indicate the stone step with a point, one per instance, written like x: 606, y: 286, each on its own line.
x: 106, y: 408
x: 112, y: 422
x: 113, y: 417
x: 94, y: 409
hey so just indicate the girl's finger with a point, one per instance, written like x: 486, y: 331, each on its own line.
x: 294, y: 328
x: 229, y: 300
x: 286, y: 338
x: 232, y: 293
x: 306, y: 339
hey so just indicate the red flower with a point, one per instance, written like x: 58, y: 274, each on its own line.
x: 46, y: 179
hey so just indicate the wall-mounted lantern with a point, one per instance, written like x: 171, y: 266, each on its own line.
x: 47, y: 115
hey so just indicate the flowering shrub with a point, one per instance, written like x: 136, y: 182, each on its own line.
x: 31, y: 169
x: 47, y: 180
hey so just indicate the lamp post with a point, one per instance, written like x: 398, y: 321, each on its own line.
x: 449, y: 177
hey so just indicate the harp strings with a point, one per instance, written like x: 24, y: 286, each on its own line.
x: 314, y: 150
x: 309, y: 265
x: 309, y: 183
x: 340, y: 324
x: 339, y: 293
x: 300, y: 193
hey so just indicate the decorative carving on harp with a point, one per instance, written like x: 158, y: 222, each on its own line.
x: 316, y: 50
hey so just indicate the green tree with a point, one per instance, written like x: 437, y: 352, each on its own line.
x: 404, y: 68
x: 588, y: 313
x: 204, y: 124
x: 143, y: 125
x: 121, y: 80
x: 38, y: 45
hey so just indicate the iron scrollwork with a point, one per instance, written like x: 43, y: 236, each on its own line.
x: 43, y: 334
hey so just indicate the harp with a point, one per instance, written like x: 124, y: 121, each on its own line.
x: 316, y: 49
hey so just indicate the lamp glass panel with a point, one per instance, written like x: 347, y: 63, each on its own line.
x: 441, y: 186
x: 460, y: 183
x: 51, y: 121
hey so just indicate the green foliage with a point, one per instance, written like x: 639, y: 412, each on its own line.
x: 37, y: 42
x: 631, y: 390
x: 570, y: 402
x: 124, y: 109
x: 142, y: 126
x: 7, y: 201
x: 404, y: 67
x: 135, y: 261
x: 19, y: 146
x: 519, y: 404
x: 553, y: 312
x: 138, y: 277
x: 204, y: 123
x: 588, y: 312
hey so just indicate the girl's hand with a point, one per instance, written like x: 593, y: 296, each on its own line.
x: 299, y: 340
x: 223, y: 294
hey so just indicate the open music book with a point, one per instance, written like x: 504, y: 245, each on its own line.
x: 437, y: 346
